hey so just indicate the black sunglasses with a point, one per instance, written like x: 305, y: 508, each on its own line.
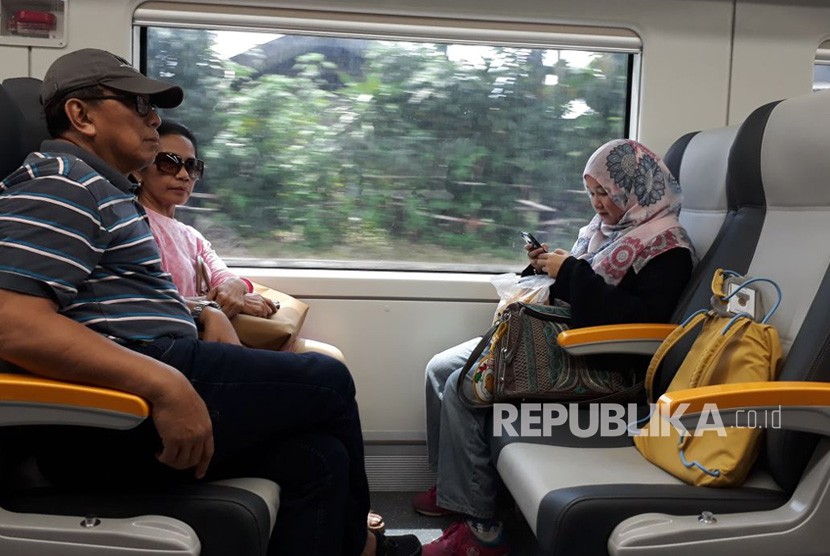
x: 141, y: 103
x: 171, y: 163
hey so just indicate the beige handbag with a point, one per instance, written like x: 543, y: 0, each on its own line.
x: 278, y: 332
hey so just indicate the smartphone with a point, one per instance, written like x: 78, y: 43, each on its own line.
x: 530, y: 240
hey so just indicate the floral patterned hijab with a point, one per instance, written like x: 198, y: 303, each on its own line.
x: 641, y: 185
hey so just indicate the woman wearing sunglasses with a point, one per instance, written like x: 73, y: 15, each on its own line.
x: 167, y: 183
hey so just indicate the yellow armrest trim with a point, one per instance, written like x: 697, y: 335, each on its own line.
x: 749, y: 394
x: 614, y: 333
x: 34, y: 389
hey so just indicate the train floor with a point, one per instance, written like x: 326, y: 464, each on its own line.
x: 400, y: 519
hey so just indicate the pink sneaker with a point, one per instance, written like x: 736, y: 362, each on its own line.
x: 459, y: 540
x: 425, y: 504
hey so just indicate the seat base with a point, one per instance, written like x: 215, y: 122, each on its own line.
x: 609, y: 485
x: 227, y: 519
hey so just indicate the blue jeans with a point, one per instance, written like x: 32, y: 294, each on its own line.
x: 457, y: 441
x: 288, y: 417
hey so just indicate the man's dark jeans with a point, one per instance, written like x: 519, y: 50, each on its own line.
x: 291, y: 418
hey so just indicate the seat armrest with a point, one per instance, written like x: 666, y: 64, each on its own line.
x: 802, y: 406
x: 59, y: 535
x: 635, y: 338
x: 34, y: 400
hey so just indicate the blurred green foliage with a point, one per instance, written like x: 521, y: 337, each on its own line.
x: 398, y: 154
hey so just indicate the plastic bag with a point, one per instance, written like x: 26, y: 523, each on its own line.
x: 529, y: 289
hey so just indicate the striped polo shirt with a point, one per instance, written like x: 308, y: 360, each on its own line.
x: 71, y: 230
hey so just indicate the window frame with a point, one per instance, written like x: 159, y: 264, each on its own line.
x: 822, y: 59
x: 383, y: 27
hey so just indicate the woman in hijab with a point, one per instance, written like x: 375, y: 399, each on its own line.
x: 629, y: 264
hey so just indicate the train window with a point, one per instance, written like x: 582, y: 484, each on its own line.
x: 359, y: 150
x: 821, y: 69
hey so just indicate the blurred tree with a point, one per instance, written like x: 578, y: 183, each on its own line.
x: 420, y: 152
x: 186, y: 57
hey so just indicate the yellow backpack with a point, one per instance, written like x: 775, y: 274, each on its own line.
x: 730, y: 348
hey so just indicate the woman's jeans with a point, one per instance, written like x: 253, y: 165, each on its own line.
x: 288, y: 417
x: 457, y: 441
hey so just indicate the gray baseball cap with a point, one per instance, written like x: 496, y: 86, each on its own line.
x: 90, y: 66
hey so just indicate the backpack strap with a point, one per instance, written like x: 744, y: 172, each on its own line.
x: 675, y: 336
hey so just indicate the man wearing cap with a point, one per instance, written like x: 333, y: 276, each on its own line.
x: 83, y: 284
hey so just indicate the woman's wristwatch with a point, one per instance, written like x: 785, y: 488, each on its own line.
x: 196, y: 311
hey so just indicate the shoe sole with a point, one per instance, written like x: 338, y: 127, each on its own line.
x: 435, y: 514
x: 405, y: 545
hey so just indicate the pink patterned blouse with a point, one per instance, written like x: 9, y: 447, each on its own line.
x: 179, y: 244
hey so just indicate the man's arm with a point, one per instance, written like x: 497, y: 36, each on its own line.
x: 48, y: 344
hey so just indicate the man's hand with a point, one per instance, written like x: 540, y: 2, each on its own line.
x: 182, y: 420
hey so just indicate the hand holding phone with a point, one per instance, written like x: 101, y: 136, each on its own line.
x: 530, y: 240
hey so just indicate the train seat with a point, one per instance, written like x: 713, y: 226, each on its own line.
x: 25, y: 92
x: 10, y: 131
x: 593, y: 498
x: 234, y: 516
x: 698, y: 161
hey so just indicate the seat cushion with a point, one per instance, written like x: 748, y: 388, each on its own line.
x: 573, y: 497
x: 269, y: 491
x: 230, y: 517
x: 702, y: 175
